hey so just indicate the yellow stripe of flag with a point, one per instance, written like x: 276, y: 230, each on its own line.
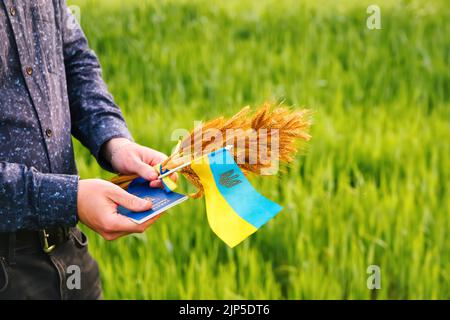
x: 224, y: 221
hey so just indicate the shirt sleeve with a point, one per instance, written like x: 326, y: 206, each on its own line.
x: 33, y: 200
x: 95, y: 117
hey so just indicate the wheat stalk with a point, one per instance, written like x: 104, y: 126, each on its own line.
x: 279, y: 129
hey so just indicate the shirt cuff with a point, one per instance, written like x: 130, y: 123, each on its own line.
x: 109, y: 128
x: 57, y: 200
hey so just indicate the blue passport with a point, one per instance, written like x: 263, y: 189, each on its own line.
x: 161, y: 199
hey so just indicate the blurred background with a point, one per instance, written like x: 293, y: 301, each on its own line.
x: 371, y: 189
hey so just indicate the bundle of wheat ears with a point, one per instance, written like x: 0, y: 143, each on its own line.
x: 252, y: 138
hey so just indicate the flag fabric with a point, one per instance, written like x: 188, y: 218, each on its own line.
x: 234, y: 208
x: 168, y: 184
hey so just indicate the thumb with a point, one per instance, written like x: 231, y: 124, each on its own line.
x: 129, y: 201
x: 146, y: 171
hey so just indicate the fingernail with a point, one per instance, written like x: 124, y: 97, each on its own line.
x: 148, y: 204
x: 154, y: 184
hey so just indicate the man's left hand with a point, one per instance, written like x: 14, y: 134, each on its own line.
x: 127, y: 157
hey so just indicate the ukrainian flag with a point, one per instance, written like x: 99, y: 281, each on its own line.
x: 234, y: 208
x: 168, y: 184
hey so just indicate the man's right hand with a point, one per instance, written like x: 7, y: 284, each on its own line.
x: 97, y: 208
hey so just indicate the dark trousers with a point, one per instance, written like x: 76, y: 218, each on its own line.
x: 68, y: 272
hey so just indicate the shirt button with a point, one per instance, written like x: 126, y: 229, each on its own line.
x: 12, y: 11
x: 29, y: 70
x: 48, y: 132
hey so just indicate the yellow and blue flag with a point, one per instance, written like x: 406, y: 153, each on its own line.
x: 168, y: 184
x: 234, y: 208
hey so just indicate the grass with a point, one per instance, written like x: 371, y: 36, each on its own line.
x: 373, y: 187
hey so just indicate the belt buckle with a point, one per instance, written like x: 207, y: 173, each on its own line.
x: 44, y: 241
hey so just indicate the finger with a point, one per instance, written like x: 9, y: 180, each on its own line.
x: 156, y: 184
x: 158, y: 158
x: 174, y: 176
x: 149, y: 222
x: 123, y: 226
x: 126, y: 226
x: 146, y: 171
x: 129, y: 201
x: 114, y: 235
x: 155, y: 157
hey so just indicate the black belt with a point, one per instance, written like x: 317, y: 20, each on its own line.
x: 31, y: 241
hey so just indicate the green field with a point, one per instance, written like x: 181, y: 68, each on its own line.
x: 373, y: 186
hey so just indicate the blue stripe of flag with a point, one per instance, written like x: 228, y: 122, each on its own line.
x: 242, y: 197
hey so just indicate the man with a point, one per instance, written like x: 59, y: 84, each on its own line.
x: 51, y: 86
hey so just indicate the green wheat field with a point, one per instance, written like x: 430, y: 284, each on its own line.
x: 372, y: 188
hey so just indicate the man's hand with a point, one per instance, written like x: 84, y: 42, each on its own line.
x: 127, y: 157
x: 97, y: 208
x: 98, y: 199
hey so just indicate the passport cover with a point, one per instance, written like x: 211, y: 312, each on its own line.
x: 161, y: 199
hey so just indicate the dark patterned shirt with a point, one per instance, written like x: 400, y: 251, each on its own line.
x: 50, y: 87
